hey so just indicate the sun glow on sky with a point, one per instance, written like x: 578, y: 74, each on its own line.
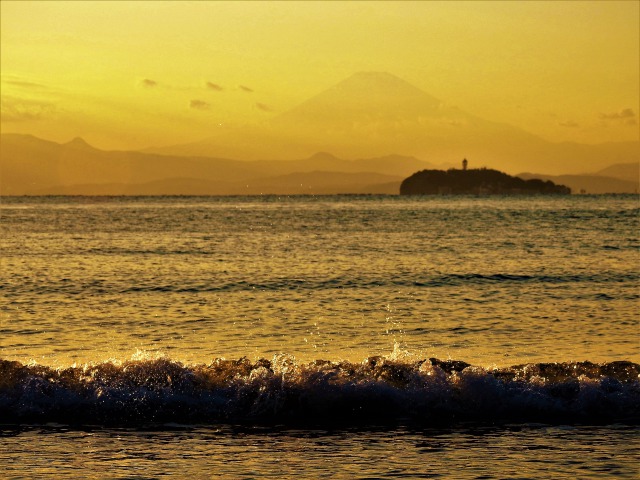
x: 137, y: 74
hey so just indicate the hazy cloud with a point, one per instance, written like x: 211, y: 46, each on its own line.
x: 569, y: 124
x: 21, y: 110
x: 264, y: 107
x: 624, y: 114
x: 214, y: 86
x: 199, y: 105
x: 16, y: 83
x: 148, y: 83
x: 245, y: 88
x: 25, y: 84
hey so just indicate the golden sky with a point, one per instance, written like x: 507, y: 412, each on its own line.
x: 139, y: 74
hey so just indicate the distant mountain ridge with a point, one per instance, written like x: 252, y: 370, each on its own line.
x: 623, y: 171
x: 32, y: 166
x: 595, y: 184
x: 618, y: 178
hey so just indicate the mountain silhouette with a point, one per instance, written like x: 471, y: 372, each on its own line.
x: 623, y: 171
x: 32, y: 166
x: 364, y: 98
x: 596, y: 184
x: 79, y: 143
x: 373, y: 114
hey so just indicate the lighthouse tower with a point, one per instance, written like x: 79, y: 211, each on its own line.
x: 464, y: 164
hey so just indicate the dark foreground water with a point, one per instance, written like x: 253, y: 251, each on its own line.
x: 515, y: 452
x: 355, y: 337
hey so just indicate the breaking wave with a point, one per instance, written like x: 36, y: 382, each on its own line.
x: 378, y: 391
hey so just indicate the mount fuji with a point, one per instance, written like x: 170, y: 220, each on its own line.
x: 373, y: 114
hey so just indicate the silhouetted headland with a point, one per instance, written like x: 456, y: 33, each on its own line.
x: 480, y: 181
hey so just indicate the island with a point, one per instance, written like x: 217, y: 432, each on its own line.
x: 479, y: 181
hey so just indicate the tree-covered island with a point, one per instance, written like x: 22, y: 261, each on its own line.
x: 480, y: 181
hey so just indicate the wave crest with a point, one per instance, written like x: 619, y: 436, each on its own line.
x: 376, y: 391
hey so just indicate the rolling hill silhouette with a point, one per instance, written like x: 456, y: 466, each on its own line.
x: 32, y: 166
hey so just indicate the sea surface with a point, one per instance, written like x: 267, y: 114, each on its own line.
x: 320, y: 336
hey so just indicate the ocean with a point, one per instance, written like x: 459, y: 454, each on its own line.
x: 320, y: 336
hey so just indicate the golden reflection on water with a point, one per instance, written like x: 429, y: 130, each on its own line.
x: 491, y: 281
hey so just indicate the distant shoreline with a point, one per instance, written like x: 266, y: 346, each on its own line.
x: 302, y: 195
